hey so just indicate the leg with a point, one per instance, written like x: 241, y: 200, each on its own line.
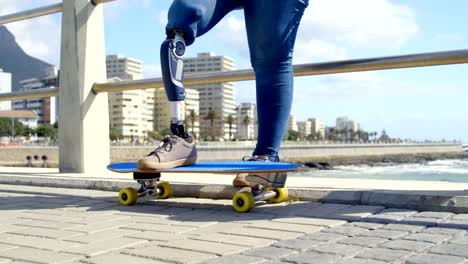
x: 271, y: 31
x: 196, y: 17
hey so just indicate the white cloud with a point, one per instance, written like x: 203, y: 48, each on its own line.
x: 39, y: 37
x: 363, y: 23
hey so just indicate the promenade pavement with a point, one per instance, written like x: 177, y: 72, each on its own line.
x: 59, y: 225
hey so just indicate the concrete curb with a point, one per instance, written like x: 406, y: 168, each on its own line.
x: 443, y: 201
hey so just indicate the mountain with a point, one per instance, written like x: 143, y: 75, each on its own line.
x: 14, y: 60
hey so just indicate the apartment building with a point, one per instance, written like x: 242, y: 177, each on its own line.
x: 217, y: 101
x: 247, y: 126
x: 345, y: 127
x: 317, y: 126
x: 292, y: 123
x: 162, y: 115
x: 45, y: 108
x: 5, y: 87
x: 130, y: 112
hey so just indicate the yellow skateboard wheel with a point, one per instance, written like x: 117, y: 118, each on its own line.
x: 281, y: 195
x: 243, y: 202
x: 165, y: 190
x: 128, y: 196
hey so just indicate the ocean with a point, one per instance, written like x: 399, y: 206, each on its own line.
x: 455, y: 170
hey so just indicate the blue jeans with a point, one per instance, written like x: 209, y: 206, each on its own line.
x: 271, y: 31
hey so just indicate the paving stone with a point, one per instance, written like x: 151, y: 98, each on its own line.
x: 459, y: 224
x: 215, y: 228
x: 236, y: 259
x: 366, y: 225
x: 422, y: 221
x: 385, y: 233
x: 155, y: 235
x: 204, y: 246
x: 343, y: 250
x: 300, y: 245
x: 326, y: 237
x: 445, y: 231
x: 104, y: 246
x: 97, y: 227
x: 346, y: 230
x: 37, y: 255
x: 9, y: 228
x: 385, y: 254
x: 4, y: 247
x: 116, y: 258
x: 429, y: 214
x: 427, y: 237
x: 102, y: 235
x: 460, y: 240
x: 413, y: 246
x: 37, y: 242
x: 460, y: 217
x: 45, y: 217
x: 293, y: 209
x: 235, y: 239
x: 404, y: 227
x: 269, y: 252
x: 434, y: 258
x: 360, y: 261
x: 261, y: 233
x: 45, y: 232
x: 310, y: 221
x: 4, y: 261
x: 299, y: 228
x: 158, y: 228
x: 382, y: 218
x: 450, y: 249
x: 398, y: 211
x: 48, y: 224
x: 323, y: 210
x: 355, y: 213
x: 165, y: 254
x: 363, y: 241
x: 311, y: 258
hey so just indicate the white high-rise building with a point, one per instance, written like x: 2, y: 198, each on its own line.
x: 346, y: 127
x: 292, y: 123
x: 217, y: 101
x: 5, y: 87
x: 130, y: 112
x: 247, y: 121
x: 317, y: 127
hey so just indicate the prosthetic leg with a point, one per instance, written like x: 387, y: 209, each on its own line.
x: 172, y: 66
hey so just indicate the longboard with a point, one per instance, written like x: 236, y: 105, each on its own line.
x: 243, y: 200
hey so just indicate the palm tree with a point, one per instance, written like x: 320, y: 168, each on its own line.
x: 192, y: 118
x: 230, y: 120
x: 212, y: 116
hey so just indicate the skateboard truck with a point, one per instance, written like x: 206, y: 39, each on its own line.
x: 172, y: 69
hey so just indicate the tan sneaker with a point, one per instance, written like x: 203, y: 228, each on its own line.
x: 173, y: 151
x: 240, y: 179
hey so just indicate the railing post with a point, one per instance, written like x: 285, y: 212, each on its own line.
x: 83, y: 115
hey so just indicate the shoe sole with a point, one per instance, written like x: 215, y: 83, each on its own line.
x: 144, y: 164
x: 278, y: 181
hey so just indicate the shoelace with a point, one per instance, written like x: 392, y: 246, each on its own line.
x: 165, y: 146
x: 255, y: 158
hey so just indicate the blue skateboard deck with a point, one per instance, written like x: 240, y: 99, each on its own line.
x: 221, y: 167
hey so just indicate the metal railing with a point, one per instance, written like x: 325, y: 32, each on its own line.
x: 80, y: 147
x: 37, y: 12
x: 344, y: 66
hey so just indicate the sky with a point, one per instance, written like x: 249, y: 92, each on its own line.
x: 417, y: 103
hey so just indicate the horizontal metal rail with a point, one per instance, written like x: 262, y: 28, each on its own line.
x: 36, y: 12
x: 357, y: 65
